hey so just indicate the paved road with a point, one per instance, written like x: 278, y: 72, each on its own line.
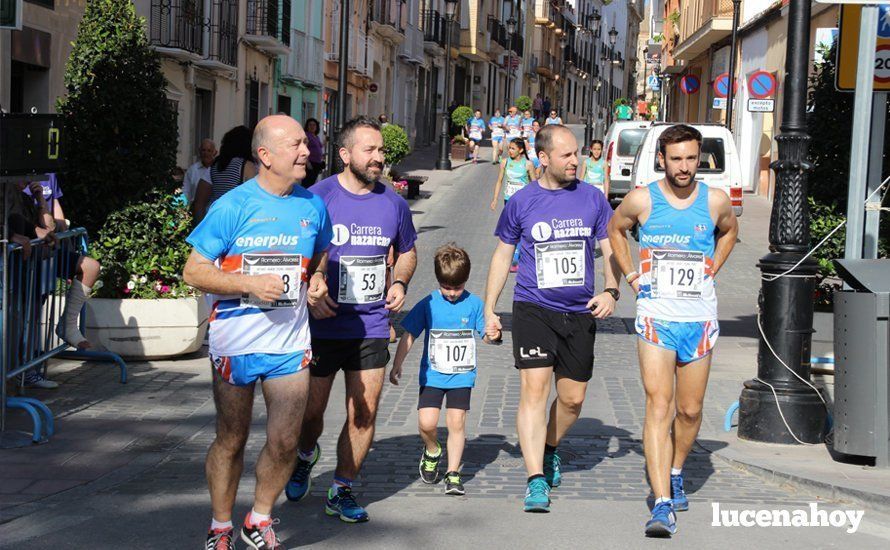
x: 149, y: 439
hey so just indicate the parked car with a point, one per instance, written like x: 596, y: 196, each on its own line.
x: 622, y: 141
x: 718, y: 166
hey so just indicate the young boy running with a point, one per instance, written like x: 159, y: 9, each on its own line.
x: 449, y: 316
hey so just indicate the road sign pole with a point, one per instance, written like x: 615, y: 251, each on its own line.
x: 862, y: 114
x: 873, y: 215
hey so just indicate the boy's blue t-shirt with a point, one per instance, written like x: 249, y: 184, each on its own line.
x: 453, y: 328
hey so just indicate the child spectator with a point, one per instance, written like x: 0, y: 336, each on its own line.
x: 451, y: 318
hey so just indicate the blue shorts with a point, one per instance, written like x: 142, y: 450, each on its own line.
x: 243, y: 370
x: 691, y: 341
x: 497, y: 139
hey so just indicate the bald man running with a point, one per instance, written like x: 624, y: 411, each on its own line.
x: 260, y: 255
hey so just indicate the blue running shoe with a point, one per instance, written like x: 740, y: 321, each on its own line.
x: 537, y: 496
x: 551, y: 469
x: 343, y: 504
x: 300, y: 480
x: 678, y: 495
x: 663, y: 523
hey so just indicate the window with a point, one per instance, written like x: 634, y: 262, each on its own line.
x: 713, y: 157
x: 49, y: 4
x: 629, y: 141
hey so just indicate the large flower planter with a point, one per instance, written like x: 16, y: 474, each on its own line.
x: 459, y: 151
x: 147, y: 329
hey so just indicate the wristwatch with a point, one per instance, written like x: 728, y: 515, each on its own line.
x: 614, y: 292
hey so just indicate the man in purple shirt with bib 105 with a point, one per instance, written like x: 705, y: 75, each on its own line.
x: 557, y: 222
x: 368, y: 219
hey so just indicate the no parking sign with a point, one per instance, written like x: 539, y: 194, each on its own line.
x: 690, y: 84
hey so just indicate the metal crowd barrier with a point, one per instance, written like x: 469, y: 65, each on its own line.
x: 33, y: 306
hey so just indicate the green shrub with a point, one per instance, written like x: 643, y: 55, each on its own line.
x: 523, y: 103
x: 143, y: 251
x: 395, y: 144
x: 461, y: 116
x: 120, y: 128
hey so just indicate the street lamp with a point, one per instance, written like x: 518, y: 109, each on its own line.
x: 334, y: 163
x: 511, y: 28
x: 560, y: 80
x: 444, y: 162
x: 730, y: 93
x: 788, y: 275
x: 595, y: 19
x: 613, y: 38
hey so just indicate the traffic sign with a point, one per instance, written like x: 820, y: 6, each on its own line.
x: 690, y: 84
x: 372, y: 87
x: 761, y: 105
x: 761, y: 84
x: 719, y: 103
x: 652, y: 82
x: 721, y: 85
x: 848, y: 49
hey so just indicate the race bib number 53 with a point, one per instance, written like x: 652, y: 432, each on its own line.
x: 362, y: 279
x: 452, y: 351
x: 677, y: 274
x: 287, y: 266
x: 560, y: 263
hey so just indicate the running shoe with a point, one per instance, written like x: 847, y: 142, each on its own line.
x: 551, y: 469
x: 537, y: 496
x: 343, y: 504
x: 36, y: 380
x: 220, y: 539
x: 453, y: 484
x: 301, y: 480
x: 429, y: 466
x: 663, y: 522
x: 678, y: 495
x: 261, y: 536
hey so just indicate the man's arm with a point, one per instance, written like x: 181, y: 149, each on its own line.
x: 498, y: 271
x: 202, y: 274
x: 403, y: 271
x: 401, y: 352
x: 727, y: 228
x: 623, y: 219
x: 318, y: 286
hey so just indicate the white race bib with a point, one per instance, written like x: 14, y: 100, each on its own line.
x: 512, y: 188
x: 452, y: 351
x: 475, y: 135
x: 287, y: 266
x: 677, y: 274
x: 560, y: 263
x: 362, y: 279
x: 497, y: 131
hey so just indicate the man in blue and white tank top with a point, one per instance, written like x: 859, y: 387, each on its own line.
x: 687, y: 231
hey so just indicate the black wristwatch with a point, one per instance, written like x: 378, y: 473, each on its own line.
x: 403, y: 283
x: 614, y: 292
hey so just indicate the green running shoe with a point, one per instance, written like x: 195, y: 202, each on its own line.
x: 551, y: 469
x: 453, y: 484
x: 429, y: 466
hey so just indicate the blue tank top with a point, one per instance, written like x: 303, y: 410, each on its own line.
x: 595, y: 171
x: 677, y: 260
x: 515, y: 176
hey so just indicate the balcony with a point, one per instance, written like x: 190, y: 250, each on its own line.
x: 548, y: 65
x: 435, y: 29
x: 303, y: 66
x: 412, y: 48
x: 265, y: 19
x: 703, y: 23
x: 176, y: 28
x: 389, y: 19
x: 500, y: 40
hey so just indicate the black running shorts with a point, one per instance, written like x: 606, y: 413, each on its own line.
x: 457, y: 398
x: 330, y: 356
x: 545, y: 338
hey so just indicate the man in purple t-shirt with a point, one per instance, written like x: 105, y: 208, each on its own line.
x: 557, y: 222
x: 368, y: 219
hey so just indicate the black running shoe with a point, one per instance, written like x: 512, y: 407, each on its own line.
x: 220, y: 539
x: 453, y: 484
x: 429, y: 466
x: 261, y: 536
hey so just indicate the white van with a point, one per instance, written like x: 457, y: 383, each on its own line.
x: 620, y: 147
x: 718, y: 167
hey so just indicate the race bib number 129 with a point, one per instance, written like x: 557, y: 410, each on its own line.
x: 677, y: 274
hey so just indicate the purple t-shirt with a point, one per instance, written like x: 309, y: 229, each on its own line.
x: 557, y: 231
x: 51, y: 191
x: 364, y: 228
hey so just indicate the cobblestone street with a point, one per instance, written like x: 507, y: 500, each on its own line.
x: 126, y: 466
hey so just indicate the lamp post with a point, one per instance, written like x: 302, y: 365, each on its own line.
x: 511, y: 29
x: 613, y: 38
x: 788, y: 279
x: 560, y: 79
x: 731, y: 92
x: 342, y: 95
x: 595, y: 35
x: 444, y: 162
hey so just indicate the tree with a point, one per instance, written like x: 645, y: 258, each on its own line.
x: 523, y: 103
x: 121, y: 129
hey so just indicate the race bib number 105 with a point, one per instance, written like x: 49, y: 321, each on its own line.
x: 560, y: 263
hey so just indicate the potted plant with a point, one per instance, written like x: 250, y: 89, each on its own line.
x: 142, y: 308
x: 395, y: 145
x: 459, y: 148
x: 523, y: 103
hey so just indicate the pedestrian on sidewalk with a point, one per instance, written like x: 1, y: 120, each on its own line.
x: 260, y: 278
x: 496, y: 125
x: 316, y: 153
x: 538, y: 106
x: 686, y: 231
x: 475, y: 127
x: 199, y: 171
x: 353, y: 336
x: 452, y: 318
x: 233, y: 166
x: 546, y: 105
x: 558, y: 223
